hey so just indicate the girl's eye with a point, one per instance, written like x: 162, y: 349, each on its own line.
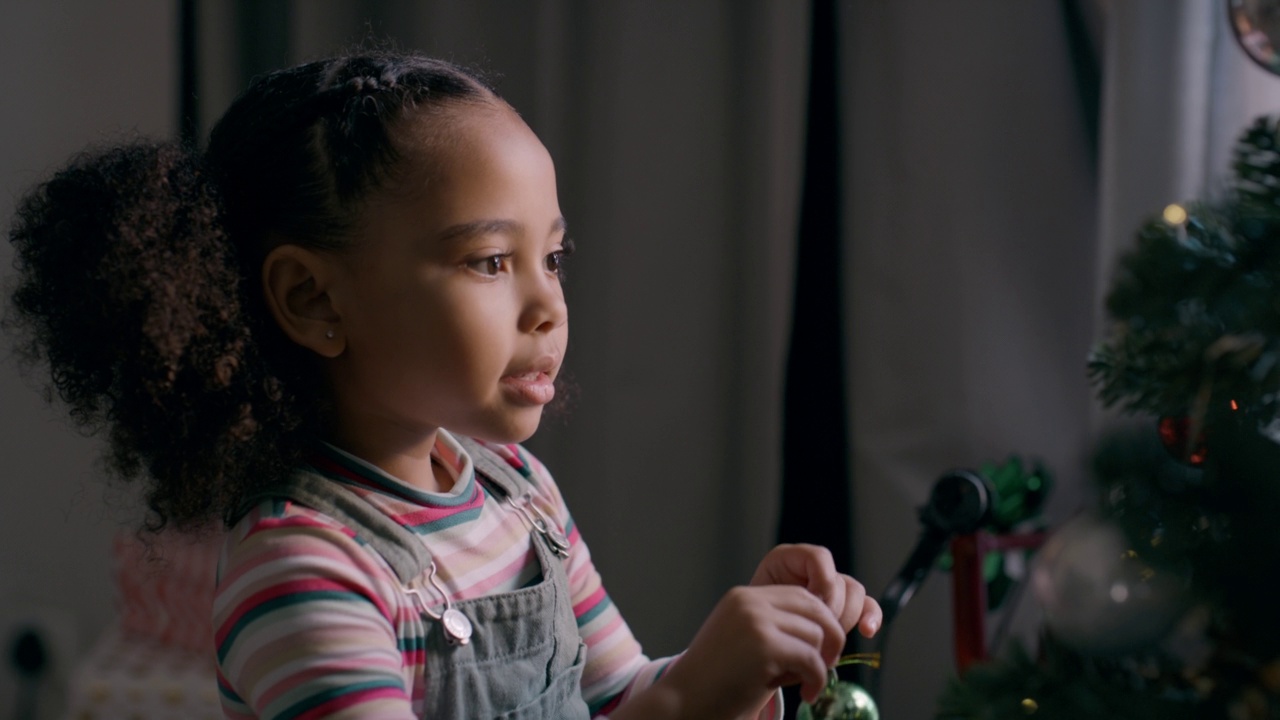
x: 555, y: 264
x: 556, y: 260
x: 491, y: 265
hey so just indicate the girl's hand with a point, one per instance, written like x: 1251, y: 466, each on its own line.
x: 756, y: 640
x: 811, y: 567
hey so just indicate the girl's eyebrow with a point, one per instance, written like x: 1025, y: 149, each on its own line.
x: 494, y: 226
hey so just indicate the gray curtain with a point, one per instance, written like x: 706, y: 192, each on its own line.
x: 970, y: 266
x: 77, y: 73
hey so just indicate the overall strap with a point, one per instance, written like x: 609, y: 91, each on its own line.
x: 498, y: 473
x: 496, y: 470
x: 403, y: 550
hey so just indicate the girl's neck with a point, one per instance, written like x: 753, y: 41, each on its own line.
x: 408, y: 460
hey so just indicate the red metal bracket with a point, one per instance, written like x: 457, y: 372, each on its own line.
x: 969, y: 589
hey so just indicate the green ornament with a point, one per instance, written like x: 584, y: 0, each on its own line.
x: 842, y: 700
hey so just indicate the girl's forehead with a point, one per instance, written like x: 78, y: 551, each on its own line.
x: 448, y: 140
x: 441, y: 127
x: 467, y: 158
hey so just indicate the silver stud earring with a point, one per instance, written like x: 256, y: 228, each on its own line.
x: 328, y: 334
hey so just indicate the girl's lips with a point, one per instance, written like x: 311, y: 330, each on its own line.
x: 532, y: 388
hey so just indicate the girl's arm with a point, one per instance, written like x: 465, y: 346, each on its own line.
x: 620, y: 682
x: 757, y: 638
x: 299, y: 627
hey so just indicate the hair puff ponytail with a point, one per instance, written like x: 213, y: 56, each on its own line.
x: 130, y: 292
x: 138, y: 271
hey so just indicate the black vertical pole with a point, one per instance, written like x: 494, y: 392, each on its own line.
x: 816, y: 503
x: 263, y: 36
x: 815, y: 488
x: 1088, y: 71
x: 188, y: 74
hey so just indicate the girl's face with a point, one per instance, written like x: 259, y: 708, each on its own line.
x: 452, y: 310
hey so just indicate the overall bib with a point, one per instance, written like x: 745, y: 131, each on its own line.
x: 524, y: 658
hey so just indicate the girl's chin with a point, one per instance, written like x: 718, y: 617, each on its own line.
x: 515, y: 427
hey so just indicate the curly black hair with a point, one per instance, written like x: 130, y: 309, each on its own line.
x: 138, y: 275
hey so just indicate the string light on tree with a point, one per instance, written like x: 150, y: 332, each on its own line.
x: 1175, y: 214
x: 1175, y: 435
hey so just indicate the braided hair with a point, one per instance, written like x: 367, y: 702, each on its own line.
x: 138, y: 271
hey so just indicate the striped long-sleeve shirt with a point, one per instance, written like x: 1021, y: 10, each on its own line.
x: 310, y: 623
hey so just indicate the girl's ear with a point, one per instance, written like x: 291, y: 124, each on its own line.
x: 297, y: 282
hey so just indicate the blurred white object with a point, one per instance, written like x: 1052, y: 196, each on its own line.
x: 1098, y: 595
x: 127, y: 678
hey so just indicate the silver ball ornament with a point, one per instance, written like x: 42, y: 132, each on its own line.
x: 1099, y: 597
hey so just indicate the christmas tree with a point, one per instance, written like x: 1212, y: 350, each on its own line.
x: 1164, y: 600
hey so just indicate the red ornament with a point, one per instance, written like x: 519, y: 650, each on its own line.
x: 1175, y: 434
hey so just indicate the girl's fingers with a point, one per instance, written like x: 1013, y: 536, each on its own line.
x: 772, y: 635
x: 837, y: 597
x: 807, y: 618
x: 810, y: 566
x: 851, y: 608
x: 820, y: 573
x: 800, y: 663
x: 872, y: 616
x: 813, y: 678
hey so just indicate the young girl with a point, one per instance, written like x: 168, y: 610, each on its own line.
x: 331, y: 330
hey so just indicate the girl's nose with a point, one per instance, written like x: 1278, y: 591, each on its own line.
x: 544, y: 306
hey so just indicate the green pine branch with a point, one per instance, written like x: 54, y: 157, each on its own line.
x: 1195, y: 306
x: 1061, y: 685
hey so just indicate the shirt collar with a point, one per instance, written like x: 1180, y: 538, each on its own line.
x: 337, y: 464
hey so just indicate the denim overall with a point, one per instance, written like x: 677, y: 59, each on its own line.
x: 524, y: 657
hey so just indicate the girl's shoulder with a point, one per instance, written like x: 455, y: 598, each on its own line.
x: 280, y: 541
x: 280, y: 530
x: 277, y: 515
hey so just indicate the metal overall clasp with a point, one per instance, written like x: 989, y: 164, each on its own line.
x: 541, y: 524
x: 457, y: 626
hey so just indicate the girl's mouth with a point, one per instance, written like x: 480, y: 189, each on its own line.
x: 531, y: 388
